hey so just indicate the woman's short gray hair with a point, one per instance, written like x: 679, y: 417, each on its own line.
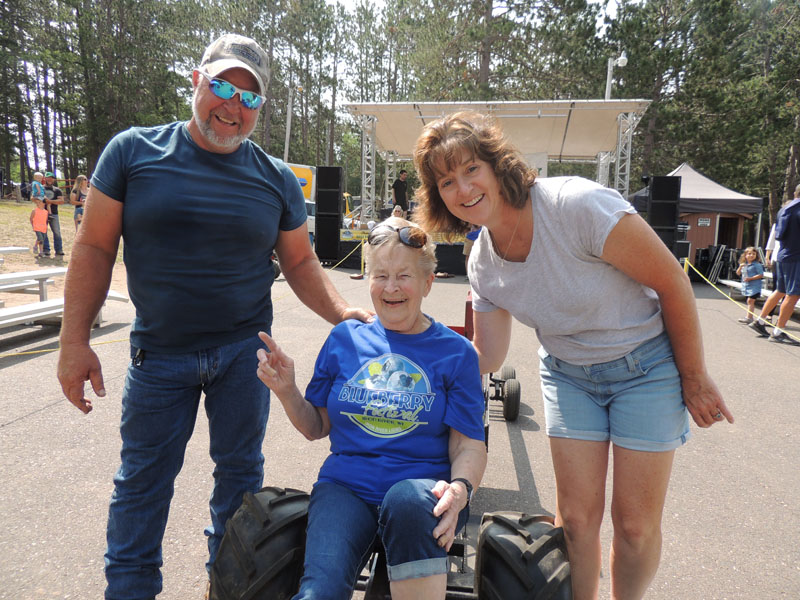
x: 427, y: 253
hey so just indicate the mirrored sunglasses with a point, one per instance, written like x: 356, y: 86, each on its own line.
x: 226, y: 90
x: 412, y: 237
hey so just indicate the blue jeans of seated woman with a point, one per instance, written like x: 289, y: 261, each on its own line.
x: 159, y: 408
x: 342, y: 529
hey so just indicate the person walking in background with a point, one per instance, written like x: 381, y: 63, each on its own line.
x: 752, y: 273
x: 786, y: 273
x: 77, y: 197
x: 200, y: 278
x: 53, y: 199
x: 399, y: 190
x: 621, y: 355
x: 39, y: 224
x: 773, y: 247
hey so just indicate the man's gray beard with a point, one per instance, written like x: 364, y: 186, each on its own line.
x: 208, y: 132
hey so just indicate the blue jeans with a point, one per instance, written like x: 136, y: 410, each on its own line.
x: 55, y: 225
x: 159, y: 409
x: 342, y: 529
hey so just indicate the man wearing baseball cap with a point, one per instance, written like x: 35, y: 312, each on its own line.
x: 53, y: 198
x: 200, y: 208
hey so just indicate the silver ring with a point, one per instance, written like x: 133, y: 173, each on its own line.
x: 718, y: 416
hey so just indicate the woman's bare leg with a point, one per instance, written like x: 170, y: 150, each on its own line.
x: 640, y: 487
x: 580, y: 469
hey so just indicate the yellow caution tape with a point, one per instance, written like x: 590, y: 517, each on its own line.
x: 686, y: 266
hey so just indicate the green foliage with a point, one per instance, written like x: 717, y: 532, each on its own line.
x: 723, y: 76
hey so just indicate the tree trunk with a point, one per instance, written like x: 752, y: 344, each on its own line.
x: 792, y: 166
x: 486, y: 49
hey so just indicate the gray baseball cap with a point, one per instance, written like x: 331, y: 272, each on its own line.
x: 232, y: 50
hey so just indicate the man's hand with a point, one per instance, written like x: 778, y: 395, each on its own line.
x: 361, y: 314
x: 77, y: 363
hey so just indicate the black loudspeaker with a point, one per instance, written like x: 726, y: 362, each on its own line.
x: 329, y: 178
x: 663, y: 199
x: 328, y: 202
x: 665, y: 188
x: 326, y: 238
x: 329, y: 190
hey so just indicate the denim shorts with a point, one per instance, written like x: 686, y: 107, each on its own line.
x: 634, y: 401
x: 787, y: 277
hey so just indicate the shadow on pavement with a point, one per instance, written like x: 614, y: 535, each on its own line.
x: 21, y: 344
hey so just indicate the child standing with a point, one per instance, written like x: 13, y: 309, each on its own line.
x: 39, y: 223
x: 752, y: 273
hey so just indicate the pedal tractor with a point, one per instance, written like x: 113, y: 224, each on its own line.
x: 517, y: 556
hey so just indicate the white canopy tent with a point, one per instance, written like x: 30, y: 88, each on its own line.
x: 598, y: 131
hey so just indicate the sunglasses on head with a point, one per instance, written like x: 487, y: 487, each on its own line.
x: 412, y: 237
x: 226, y: 90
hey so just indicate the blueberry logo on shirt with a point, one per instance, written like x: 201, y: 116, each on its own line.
x: 389, y: 395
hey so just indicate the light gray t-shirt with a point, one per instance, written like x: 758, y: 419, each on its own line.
x: 584, y: 311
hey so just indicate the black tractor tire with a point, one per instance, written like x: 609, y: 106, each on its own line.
x: 522, y: 557
x: 261, y: 554
x: 507, y: 373
x: 511, y: 398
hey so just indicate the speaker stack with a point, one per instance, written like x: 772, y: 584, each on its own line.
x: 662, y: 208
x: 329, y: 212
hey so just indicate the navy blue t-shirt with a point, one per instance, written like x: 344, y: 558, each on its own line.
x: 787, y: 232
x: 392, y: 399
x: 198, y: 229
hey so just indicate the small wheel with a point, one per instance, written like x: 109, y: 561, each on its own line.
x: 507, y: 373
x: 511, y: 397
x: 276, y: 266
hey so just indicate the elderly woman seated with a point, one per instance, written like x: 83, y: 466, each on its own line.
x: 401, y: 399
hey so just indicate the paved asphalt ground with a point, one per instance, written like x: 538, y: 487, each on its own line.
x: 731, y: 523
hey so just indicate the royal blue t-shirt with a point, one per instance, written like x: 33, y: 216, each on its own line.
x: 198, y: 229
x: 392, y: 399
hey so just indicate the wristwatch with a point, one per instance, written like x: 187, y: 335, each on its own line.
x: 467, y: 485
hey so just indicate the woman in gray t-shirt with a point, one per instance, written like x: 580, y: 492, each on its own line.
x: 609, y: 304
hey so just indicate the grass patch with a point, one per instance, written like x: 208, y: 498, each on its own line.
x: 16, y: 230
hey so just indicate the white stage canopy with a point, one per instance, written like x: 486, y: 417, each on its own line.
x: 569, y: 130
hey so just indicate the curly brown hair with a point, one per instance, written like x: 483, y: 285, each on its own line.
x: 443, y: 143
